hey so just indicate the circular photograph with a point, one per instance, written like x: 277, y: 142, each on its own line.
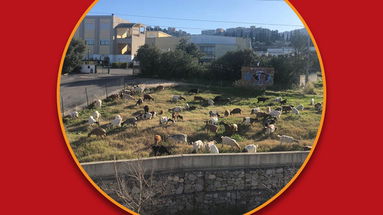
x: 192, y: 107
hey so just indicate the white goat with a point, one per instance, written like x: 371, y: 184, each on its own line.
x: 300, y: 107
x: 287, y: 139
x: 255, y: 110
x: 269, y: 129
x: 74, y: 114
x: 92, y: 121
x: 96, y: 115
x: 176, y: 98
x: 147, y: 116
x: 179, y: 138
x: 163, y: 120
x: 117, y: 121
x: 250, y: 148
x: 276, y: 113
x: 230, y: 141
x: 213, y: 120
x: 210, y: 102
x: 295, y: 110
x: 176, y: 109
x: 278, y: 99
x: 98, y: 103
x: 312, y: 102
x: 213, y: 149
x: 197, y: 146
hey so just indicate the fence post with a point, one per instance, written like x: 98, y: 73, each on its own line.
x: 86, y: 94
x: 62, y: 105
x: 106, y: 89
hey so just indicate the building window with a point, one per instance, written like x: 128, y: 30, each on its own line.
x: 89, y: 42
x: 104, y: 26
x: 208, y: 50
x: 90, y: 26
x: 104, y: 42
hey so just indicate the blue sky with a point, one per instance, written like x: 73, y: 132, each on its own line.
x: 241, y: 12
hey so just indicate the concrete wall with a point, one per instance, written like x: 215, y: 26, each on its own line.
x: 231, y: 183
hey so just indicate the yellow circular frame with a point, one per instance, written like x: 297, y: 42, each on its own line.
x: 134, y: 213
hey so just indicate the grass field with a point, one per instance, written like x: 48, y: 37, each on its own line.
x: 129, y: 142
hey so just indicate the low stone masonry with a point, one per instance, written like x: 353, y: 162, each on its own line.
x: 206, y: 190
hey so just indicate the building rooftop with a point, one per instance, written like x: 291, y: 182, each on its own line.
x: 129, y: 25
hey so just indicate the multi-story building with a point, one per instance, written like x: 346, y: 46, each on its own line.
x: 154, y: 34
x: 110, y: 36
x: 211, y: 46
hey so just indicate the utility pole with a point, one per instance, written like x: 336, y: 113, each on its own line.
x: 307, y: 60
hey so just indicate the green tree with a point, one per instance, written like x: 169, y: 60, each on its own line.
x: 149, y: 58
x: 228, y: 67
x: 189, y: 48
x: 74, y: 56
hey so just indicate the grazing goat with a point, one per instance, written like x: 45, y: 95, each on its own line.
x: 99, y: 132
x: 92, y: 121
x: 230, y: 128
x: 283, y: 102
x: 127, y: 97
x: 146, y: 116
x: 197, y: 146
x: 138, y: 90
x: 278, y: 99
x: 148, y: 97
x: 176, y: 98
x: 261, y: 115
x: 210, y: 102
x: 178, y: 138
x: 212, y: 121
x: 269, y: 120
x: 262, y: 99
x: 154, y: 114
x: 74, y: 114
x: 211, y: 128
x: 139, y: 102
x: 255, y: 110
x: 287, y: 108
x: 276, y: 113
x: 220, y: 99
x: 96, y: 115
x: 286, y: 139
x: 98, y: 103
x: 236, y: 111
x: 175, y: 109
x: 300, y: 107
x: 248, y: 120
x: 227, y: 113
x: 146, y: 109
x: 117, y: 121
x: 160, y: 150
x: 159, y: 88
x: 157, y: 139
x: 230, y: 141
x: 131, y: 121
x: 194, y: 91
x: 250, y: 148
x: 199, y: 98
x: 176, y: 116
x: 295, y: 110
x: 269, y: 129
x: 214, y: 114
x: 213, y: 149
x: 192, y: 108
x: 318, y: 106
x: 165, y: 120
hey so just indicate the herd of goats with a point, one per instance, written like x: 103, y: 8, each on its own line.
x: 268, y: 118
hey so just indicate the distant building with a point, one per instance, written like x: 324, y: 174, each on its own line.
x: 211, y: 46
x: 110, y: 36
x: 154, y: 34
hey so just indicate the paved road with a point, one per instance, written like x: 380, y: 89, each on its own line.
x: 98, y: 86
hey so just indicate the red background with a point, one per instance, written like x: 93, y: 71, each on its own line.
x: 39, y: 176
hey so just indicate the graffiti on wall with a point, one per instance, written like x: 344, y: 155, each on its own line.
x: 258, y: 76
